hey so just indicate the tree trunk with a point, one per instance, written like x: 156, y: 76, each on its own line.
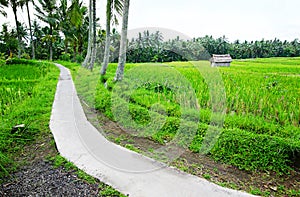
x: 30, y: 29
x: 80, y: 45
x: 74, y: 50
x: 51, y: 47
x: 94, y: 50
x: 66, y: 45
x: 123, y: 43
x: 89, y: 49
x: 107, y: 39
x: 18, y: 30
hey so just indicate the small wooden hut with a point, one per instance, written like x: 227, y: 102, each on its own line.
x: 220, y: 60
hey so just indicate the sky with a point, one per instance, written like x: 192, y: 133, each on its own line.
x: 236, y: 19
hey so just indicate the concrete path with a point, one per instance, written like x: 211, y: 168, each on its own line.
x: 130, y: 173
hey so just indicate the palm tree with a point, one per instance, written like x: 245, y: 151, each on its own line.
x: 30, y: 28
x: 3, y: 3
x: 47, y: 14
x: 75, y: 18
x: 113, y: 8
x: 64, y: 25
x: 123, y: 43
x: 89, y: 49
x: 14, y: 5
x: 93, y: 48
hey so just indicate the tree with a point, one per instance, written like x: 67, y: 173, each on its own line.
x: 8, y: 41
x: 76, y: 17
x: 30, y: 29
x: 93, y: 48
x: 89, y: 48
x: 113, y: 8
x: 3, y: 3
x: 14, y: 5
x: 123, y: 43
x: 47, y: 14
x: 64, y: 24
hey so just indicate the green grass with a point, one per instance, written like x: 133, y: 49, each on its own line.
x: 173, y: 102
x: 27, y: 92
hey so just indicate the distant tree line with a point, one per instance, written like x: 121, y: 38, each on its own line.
x: 151, y: 47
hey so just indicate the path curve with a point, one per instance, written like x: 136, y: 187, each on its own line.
x: 82, y: 144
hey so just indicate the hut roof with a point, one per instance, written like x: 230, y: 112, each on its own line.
x: 221, y: 58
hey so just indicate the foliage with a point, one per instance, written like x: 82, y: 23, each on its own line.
x: 11, y: 61
x: 8, y: 41
x: 3, y: 3
x: 65, y: 56
x: 151, y: 47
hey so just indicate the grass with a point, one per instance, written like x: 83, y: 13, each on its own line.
x: 27, y: 91
x: 179, y: 102
x: 259, y: 131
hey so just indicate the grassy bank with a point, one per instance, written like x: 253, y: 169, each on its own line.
x: 27, y: 91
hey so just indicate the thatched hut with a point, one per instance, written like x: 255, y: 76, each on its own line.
x: 220, y: 60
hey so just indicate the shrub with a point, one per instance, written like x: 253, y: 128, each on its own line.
x: 79, y: 58
x: 65, y: 56
x: 11, y: 61
x: 251, y: 151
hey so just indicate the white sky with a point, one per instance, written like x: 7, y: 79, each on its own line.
x: 236, y: 19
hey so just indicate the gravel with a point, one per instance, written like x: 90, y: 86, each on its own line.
x: 42, y: 179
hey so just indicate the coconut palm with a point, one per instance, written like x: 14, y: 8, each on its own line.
x: 3, y: 3
x: 113, y: 9
x: 89, y: 49
x: 93, y: 33
x: 123, y: 43
x: 14, y: 5
x: 26, y: 2
x: 46, y: 13
x: 64, y: 24
x: 76, y: 18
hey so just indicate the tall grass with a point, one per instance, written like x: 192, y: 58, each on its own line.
x: 27, y: 92
x: 262, y: 108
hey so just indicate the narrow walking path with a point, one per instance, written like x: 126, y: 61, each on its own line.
x: 129, y: 172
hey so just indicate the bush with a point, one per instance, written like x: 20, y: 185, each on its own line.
x: 25, y: 56
x: 2, y: 56
x: 79, y: 58
x: 251, y: 151
x: 65, y: 56
x: 103, y: 100
x: 11, y: 61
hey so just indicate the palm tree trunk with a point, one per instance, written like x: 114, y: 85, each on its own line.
x: 107, y: 39
x: 51, y: 47
x: 123, y: 43
x: 89, y: 49
x: 18, y: 30
x: 66, y: 42
x: 30, y: 29
x: 94, y: 50
x: 74, y: 50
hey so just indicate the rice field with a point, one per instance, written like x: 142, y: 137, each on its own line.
x: 247, y: 115
x: 27, y: 91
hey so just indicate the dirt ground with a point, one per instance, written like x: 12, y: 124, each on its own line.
x: 36, y: 175
x: 258, y: 183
